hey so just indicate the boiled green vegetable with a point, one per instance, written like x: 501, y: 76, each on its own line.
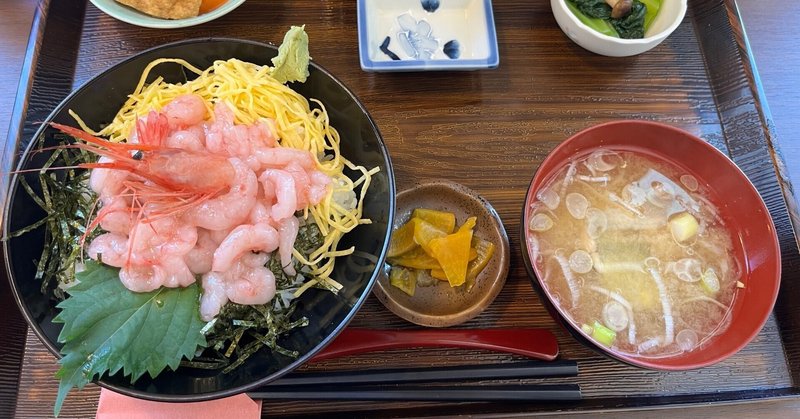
x: 653, y: 6
x: 631, y: 26
x: 597, y: 14
x: 594, y: 8
x: 599, y: 25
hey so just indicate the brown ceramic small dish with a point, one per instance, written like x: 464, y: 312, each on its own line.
x: 441, y: 305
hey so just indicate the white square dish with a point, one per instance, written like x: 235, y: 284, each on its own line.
x: 422, y: 35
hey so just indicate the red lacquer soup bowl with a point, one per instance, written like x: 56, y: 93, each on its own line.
x: 750, y: 227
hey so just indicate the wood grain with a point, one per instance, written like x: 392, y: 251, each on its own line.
x: 774, y: 52
x: 489, y: 130
x: 17, y: 20
x: 18, y: 15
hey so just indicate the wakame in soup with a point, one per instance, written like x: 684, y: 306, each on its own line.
x: 634, y: 252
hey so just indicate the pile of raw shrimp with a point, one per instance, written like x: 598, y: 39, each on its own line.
x: 202, y: 196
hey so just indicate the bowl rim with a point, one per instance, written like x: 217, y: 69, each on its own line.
x: 195, y: 397
x: 144, y: 20
x: 683, y: 4
x: 563, y: 319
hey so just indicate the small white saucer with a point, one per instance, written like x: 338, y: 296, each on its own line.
x: 422, y: 35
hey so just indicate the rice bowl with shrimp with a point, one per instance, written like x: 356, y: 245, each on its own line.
x: 234, y: 184
x: 184, y: 195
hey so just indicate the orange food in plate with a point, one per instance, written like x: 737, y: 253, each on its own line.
x: 427, y: 242
x: 479, y: 256
x: 425, y: 232
x: 452, y: 252
x: 445, y: 221
x: 417, y: 258
x: 402, y: 240
x: 210, y: 5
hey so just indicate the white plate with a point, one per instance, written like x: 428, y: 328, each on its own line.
x: 462, y: 35
x: 135, y: 17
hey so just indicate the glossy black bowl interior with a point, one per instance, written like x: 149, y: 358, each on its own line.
x: 97, y: 102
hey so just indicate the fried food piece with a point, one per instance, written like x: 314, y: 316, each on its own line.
x: 166, y: 9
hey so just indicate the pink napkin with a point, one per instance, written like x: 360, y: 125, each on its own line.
x: 116, y: 406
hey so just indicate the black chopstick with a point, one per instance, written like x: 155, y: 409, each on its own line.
x: 386, y: 384
x: 411, y: 375
x: 522, y: 392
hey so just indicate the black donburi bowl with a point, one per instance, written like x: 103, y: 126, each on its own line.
x: 96, y: 102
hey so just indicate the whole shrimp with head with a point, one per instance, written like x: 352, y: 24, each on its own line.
x: 193, y: 194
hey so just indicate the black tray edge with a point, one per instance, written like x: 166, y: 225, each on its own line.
x: 47, y: 46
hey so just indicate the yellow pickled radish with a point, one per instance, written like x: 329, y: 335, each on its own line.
x: 405, y: 279
x: 445, y: 221
x: 424, y: 232
x: 430, y: 242
x: 402, y: 240
x: 469, y: 224
x: 439, y: 274
x: 473, y: 254
x: 452, y: 252
x: 484, y: 251
x: 417, y: 258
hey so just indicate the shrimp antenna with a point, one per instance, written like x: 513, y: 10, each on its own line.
x: 42, y: 169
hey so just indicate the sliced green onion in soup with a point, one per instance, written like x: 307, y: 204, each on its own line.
x: 603, y: 335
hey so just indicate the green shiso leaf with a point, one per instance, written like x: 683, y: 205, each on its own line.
x: 108, y: 328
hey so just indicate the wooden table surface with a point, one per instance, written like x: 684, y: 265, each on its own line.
x: 777, y: 57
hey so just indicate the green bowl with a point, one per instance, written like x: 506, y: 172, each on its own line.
x: 135, y: 17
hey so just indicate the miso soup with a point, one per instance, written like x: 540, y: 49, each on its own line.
x: 635, y: 253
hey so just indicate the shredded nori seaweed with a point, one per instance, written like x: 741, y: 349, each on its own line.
x: 239, y: 331
x: 64, y: 194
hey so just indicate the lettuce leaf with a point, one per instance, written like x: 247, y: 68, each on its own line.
x: 108, y: 328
